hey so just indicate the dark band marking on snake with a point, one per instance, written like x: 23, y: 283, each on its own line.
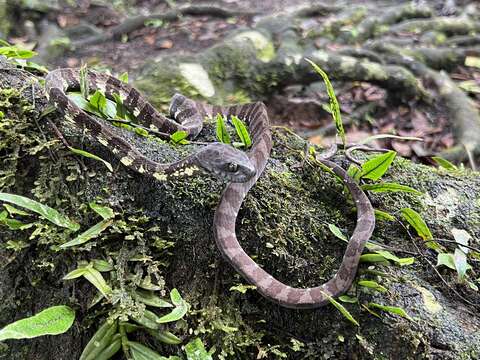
x: 220, y: 160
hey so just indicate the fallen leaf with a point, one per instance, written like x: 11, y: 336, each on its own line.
x: 149, y: 39
x: 165, y: 44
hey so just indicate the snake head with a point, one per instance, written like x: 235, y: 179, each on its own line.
x: 225, y: 162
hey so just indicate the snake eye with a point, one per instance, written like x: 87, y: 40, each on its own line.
x: 232, y: 167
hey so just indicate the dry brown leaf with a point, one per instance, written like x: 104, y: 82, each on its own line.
x: 150, y: 39
x: 165, y: 44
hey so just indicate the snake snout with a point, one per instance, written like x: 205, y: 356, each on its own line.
x: 226, y: 162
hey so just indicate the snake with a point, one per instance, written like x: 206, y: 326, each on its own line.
x: 220, y: 160
x: 240, y: 169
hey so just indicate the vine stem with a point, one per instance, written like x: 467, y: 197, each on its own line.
x: 125, y: 347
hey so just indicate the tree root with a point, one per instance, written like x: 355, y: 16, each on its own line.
x: 395, y: 78
x: 463, y: 114
x: 137, y: 22
x: 372, y: 25
x: 447, y: 25
x: 439, y: 58
x: 316, y: 10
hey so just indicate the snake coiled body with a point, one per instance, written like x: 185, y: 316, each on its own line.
x: 247, y: 171
x: 234, y: 194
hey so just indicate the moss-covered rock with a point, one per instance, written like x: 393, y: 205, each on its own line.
x: 162, y: 237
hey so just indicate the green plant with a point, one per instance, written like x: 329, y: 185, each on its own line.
x: 51, y: 321
x: 240, y: 129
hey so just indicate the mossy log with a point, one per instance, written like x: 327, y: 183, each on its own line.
x: 162, y: 233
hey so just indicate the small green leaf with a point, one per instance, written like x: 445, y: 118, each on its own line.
x: 104, y: 211
x: 382, y: 215
x: 148, y: 320
x: 14, y: 224
x: 221, y: 130
x: 460, y: 255
x: 354, y: 172
x: 179, y: 137
x: 123, y: 77
x: 372, y: 285
x: 444, y: 163
x: 181, y: 308
x: 165, y: 336
x: 12, y: 210
x: 30, y: 65
x: 375, y: 167
x: 102, y: 265
x: 400, y: 261
x: 389, y: 187
x: 141, y: 131
x: 83, y: 104
x: 99, y: 101
x: 469, y: 86
x: 391, y: 309
x: 241, y: 288
x: 154, y: 22
x: 51, y: 321
x: 372, y: 258
x: 461, y: 237
x: 121, y: 109
x: 446, y: 259
x: 334, y: 106
x: 15, y: 52
x: 242, y: 132
x: 176, y: 297
x: 110, y: 111
x: 100, y: 340
x: 149, y: 298
x: 416, y: 221
x: 195, y: 350
x: 47, y: 212
x: 97, y: 280
x: 453, y: 262
x: 348, y: 299
x: 406, y: 261
x: 91, y: 156
x: 337, y: 232
x: 342, y: 310
x: 76, y: 273
x: 142, y: 352
x: 89, y: 234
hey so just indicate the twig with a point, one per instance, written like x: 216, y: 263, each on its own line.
x: 454, y: 242
x: 350, y: 150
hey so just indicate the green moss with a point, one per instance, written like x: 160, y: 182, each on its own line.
x: 17, y: 135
